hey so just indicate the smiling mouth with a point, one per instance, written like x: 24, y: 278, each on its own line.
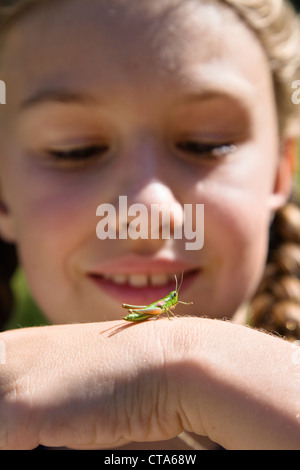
x: 144, y: 282
x: 141, y: 288
x: 141, y: 280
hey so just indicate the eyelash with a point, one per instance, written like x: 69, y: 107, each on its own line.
x: 210, y: 150
x: 82, y: 155
x: 78, y: 155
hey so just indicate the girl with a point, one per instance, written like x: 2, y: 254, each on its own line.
x: 162, y: 102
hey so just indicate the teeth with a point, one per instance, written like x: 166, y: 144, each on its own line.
x: 159, y: 279
x: 140, y: 280
x: 120, y: 278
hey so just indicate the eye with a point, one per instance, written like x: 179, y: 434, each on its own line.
x: 78, y: 155
x: 214, y: 151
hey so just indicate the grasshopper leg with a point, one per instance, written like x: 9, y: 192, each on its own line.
x: 169, y: 311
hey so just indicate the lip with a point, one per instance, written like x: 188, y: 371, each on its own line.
x: 126, y: 293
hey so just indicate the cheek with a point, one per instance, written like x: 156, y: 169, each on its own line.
x: 52, y: 217
x: 236, y: 233
x: 237, y: 244
x: 55, y: 206
x: 241, y: 230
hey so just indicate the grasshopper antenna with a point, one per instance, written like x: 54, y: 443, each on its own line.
x: 177, y: 290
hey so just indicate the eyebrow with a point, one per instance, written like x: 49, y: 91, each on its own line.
x: 242, y: 94
x: 58, y: 96
x: 65, y: 96
x: 208, y: 95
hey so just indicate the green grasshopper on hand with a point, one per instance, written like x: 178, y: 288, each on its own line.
x: 139, y: 313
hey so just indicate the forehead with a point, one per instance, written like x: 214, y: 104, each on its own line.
x: 80, y: 43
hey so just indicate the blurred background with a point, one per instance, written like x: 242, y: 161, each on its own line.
x: 296, y: 3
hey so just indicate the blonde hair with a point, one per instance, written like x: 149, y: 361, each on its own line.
x: 276, y: 304
x: 278, y: 28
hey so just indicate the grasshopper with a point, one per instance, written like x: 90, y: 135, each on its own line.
x: 138, y: 313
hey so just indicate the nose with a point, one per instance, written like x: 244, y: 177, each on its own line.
x: 151, y: 213
x: 151, y: 206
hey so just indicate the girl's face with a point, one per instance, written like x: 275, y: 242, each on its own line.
x: 160, y: 101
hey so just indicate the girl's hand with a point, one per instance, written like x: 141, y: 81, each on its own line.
x: 102, y: 385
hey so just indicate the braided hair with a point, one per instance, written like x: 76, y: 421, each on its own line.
x: 276, y: 305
